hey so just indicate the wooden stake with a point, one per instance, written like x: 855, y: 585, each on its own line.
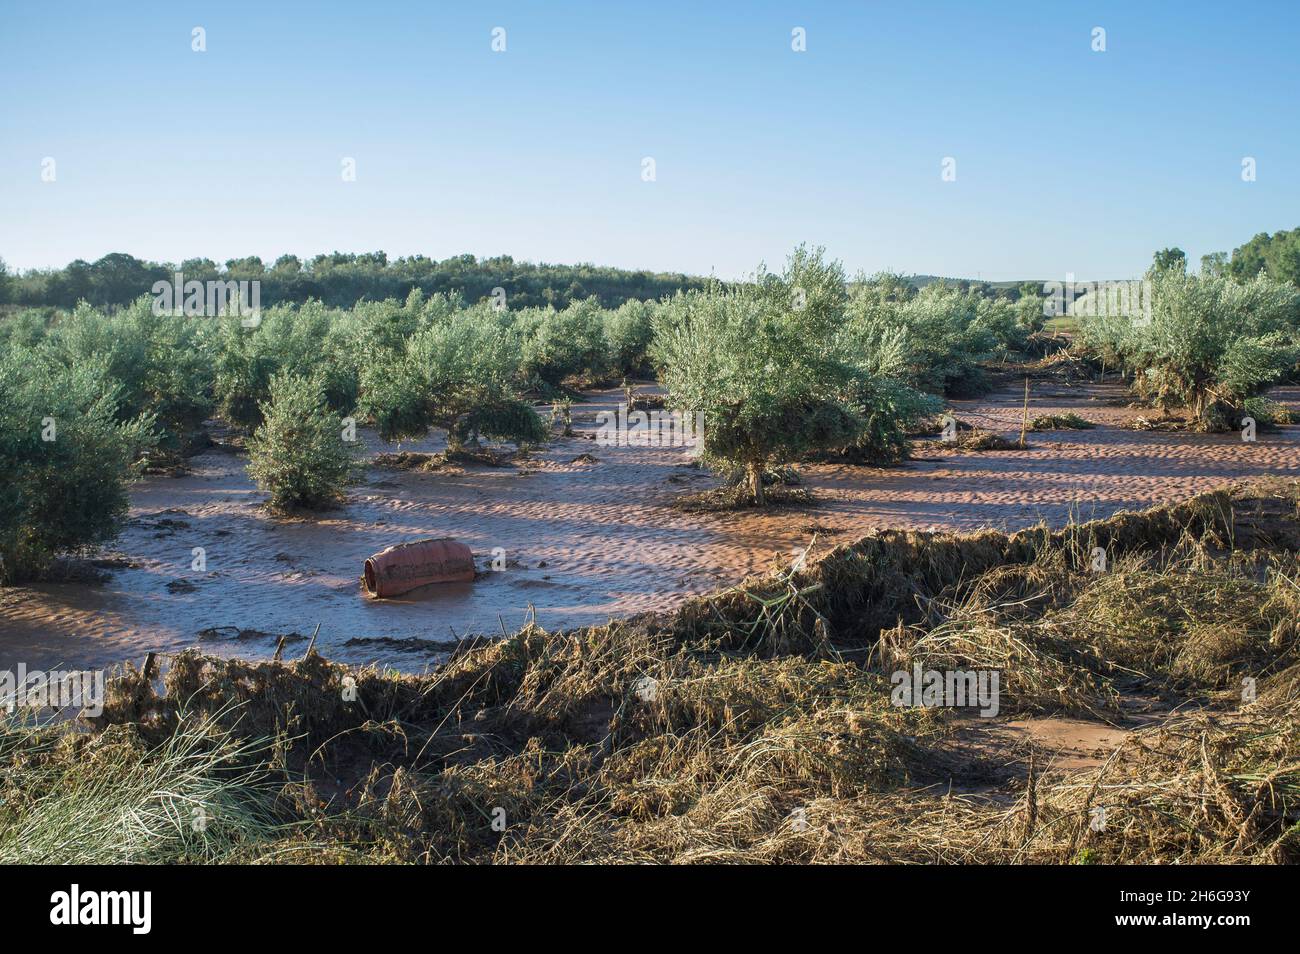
x: 312, y: 644
x: 146, y: 679
x: 1024, y: 422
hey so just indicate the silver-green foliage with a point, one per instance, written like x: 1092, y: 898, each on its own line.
x: 769, y: 366
x: 939, y: 334
x: 1209, y: 343
x: 295, y: 338
x: 628, y: 333
x: 458, y: 373
x: 299, y: 454
x: 558, y: 344
x: 65, y: 458
x: 155, y: 360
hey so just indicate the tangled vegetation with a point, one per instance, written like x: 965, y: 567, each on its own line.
x: 756, y: 725
x: 1061, y: 422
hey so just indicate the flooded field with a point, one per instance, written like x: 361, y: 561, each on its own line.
x: 583, y: 539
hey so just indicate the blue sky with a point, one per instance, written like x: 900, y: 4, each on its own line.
x: 1067, y: 160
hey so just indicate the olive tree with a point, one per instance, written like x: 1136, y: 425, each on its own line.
x: 941, y: 334
x: 562, y: 343
x: 457, y: 374
x: 287, y: 338
x: 768, y: 366
x: 298, y: 454
x: 65, y: 458
x: 628, y: 333
x: 1209, y: 344
x: 154, y: 359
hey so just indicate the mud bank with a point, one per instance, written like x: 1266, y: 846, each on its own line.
x: 642, y: 742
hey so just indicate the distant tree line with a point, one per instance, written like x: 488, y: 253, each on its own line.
x: 342, y: 279
x: 1010, y: 291
x: 1277, y: 255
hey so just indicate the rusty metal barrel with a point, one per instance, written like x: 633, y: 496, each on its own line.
x: 405, y: 566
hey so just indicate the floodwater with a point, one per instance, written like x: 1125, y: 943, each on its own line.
x: 583, y: 540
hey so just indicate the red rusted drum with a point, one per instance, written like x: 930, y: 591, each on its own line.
x: 408, y: 565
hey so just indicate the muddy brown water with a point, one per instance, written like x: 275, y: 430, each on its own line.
x: 584, y: 541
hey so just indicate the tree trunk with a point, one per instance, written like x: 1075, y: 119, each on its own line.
x: 755, y: 472
x: 1200, y: 400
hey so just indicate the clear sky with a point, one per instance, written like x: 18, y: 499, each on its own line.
x: 1067, y: 160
